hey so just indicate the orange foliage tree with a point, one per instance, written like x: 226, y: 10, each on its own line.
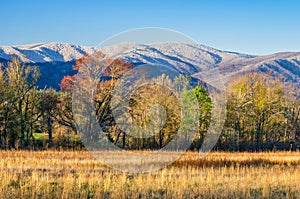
x: 115, y: 69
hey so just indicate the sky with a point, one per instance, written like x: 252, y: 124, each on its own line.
x: 255, y: 27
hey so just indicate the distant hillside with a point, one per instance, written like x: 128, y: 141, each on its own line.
x: 45, y: 52
x: 56, y: 59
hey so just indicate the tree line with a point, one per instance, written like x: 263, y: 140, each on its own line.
x: 263, y: 113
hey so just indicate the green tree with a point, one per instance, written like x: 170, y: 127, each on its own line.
x: 19, y: 83
x: 48, y: 107
x: 205, y: 108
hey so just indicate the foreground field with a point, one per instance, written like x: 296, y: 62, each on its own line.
x: 55, y: 174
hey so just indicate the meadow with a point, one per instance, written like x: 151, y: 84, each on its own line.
x: 76, y: 174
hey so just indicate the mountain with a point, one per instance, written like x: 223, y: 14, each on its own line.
x: 45, y: 52
x: 56, y: 59
x: 197, y: 59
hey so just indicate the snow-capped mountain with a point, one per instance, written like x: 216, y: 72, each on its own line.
x: 45, y: 52
x: 197, y: 59
x: 186, y: 58
x: 192, y: 59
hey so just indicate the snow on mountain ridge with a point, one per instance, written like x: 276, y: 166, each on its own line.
x: 169, y: 52
x: 184, y: 57
x: 45, y: 52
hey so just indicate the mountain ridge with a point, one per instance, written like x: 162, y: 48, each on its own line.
x: 192, y: 59
x: 45, y: 52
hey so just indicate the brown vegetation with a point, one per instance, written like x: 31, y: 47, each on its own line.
x: 68, y: 174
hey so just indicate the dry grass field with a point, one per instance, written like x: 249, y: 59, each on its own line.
x: 68, y: 174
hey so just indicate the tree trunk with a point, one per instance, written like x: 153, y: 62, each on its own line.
x: 21, y: 120
x: 49, y: 128
x: 124, y: 140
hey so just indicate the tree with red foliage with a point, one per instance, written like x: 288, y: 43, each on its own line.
x: 67, y: 83
x: 98, y: 73
x: 116, y: 68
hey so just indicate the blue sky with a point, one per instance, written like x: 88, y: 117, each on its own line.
x: 257, y: 27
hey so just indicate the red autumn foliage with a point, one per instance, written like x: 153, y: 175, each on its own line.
x: 67, y: 83
x: 115, y: 70
x: 79, y: 62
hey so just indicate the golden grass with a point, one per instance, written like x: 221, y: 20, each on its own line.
x: 67, y: 174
